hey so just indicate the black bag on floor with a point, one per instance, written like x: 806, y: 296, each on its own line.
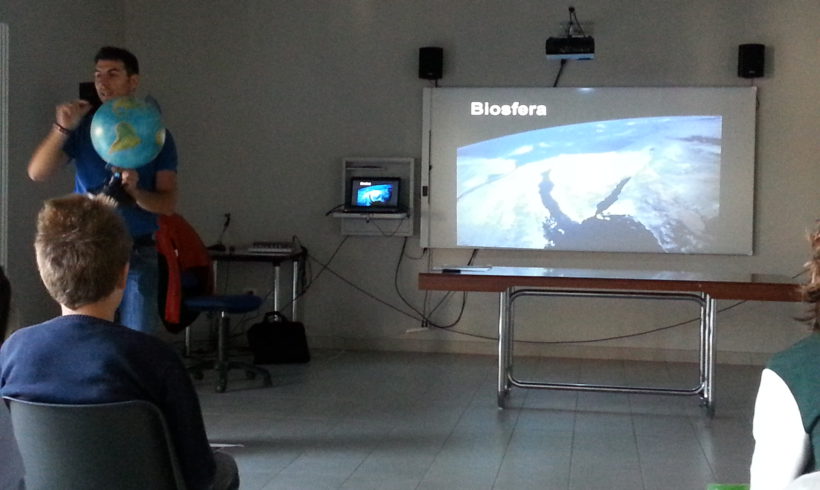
x: 277, y: 340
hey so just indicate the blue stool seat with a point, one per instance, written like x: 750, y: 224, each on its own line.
x: 224, y: 305
x: 231, y: 303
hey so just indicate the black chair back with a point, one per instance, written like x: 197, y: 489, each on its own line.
x: 123, y: 445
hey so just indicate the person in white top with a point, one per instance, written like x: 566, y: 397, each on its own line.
x: 786, y: 424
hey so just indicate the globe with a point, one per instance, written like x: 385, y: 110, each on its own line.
x: 127, y: 132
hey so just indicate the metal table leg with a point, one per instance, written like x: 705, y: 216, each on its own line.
x: 710, y: 312
x: 706, y: 358
x: 294, y: 290
x: 503, y: 349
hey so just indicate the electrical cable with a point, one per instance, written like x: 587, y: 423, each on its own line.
x: 420, y: 257
x: 447, y: 296
x: 389, y: 234
x: 631, y: 335
x: 334, y: 208
x: 304, y: 284
x: 573, y: 20
x: 560, y: 70
x: 425, y: 318
x: 590, y: 341
x: 418, y: 315
x: 396, y: 280
x: 225, y: 281
x: 326, y: 267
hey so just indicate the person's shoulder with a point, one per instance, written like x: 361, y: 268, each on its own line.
x: 36, y: 328
x: 57, y: 327
x: 805, y: 349
x: 167, y: 158
x: 24, y: 338
x: 808, y: 344
x: 148, y: 343
x: 169, y: 139
x: 140, y: 337
x: 150, y: 352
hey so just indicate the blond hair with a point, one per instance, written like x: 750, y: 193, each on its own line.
x: 811, y: 289
x: 82, y: 245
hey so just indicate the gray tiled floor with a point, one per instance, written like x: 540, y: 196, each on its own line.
x: 376, y: 420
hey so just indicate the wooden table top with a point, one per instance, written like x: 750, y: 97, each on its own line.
x: 753, y: 287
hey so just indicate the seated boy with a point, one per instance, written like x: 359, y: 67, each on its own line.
x: 83, y: 248
x: 11, y: 466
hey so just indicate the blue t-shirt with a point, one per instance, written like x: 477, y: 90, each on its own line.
x: 93, y: 173
x: 77, y: 359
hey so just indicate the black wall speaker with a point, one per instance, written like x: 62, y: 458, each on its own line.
x: 430, y: 62
x: 751, y: 60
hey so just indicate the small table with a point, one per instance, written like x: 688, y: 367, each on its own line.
x: 276, y: 260
x: 703, y: 289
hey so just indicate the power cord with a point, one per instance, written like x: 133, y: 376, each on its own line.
x: 305, y: 271
x: 560, y: 71
x: 388, y: 234
x: 334, y: 209
x: 425, y: 318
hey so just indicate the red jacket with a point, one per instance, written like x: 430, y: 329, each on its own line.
x: 189, y: 271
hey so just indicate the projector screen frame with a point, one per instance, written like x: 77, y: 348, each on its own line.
x: 564, y: 107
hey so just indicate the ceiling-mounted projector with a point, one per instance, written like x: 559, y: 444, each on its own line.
x: 571, y: 48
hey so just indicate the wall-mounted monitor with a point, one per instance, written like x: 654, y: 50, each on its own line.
x: 641, y: 169
x: 374, y: 194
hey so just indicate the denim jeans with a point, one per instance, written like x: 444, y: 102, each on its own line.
x: 138, y: 309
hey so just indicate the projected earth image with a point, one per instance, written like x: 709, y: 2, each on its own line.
x: 640, y: 185
x: 371, y: 194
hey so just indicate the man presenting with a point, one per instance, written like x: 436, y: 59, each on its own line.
x: 153, y: 187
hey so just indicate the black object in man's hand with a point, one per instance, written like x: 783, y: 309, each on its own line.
x: 114, y: 189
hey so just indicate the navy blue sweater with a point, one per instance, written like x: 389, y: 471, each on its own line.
x: 77, y: 359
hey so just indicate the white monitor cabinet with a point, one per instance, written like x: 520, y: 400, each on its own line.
x: 402, y: 223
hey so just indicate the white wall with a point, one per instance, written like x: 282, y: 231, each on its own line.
x: 266, y: 98
x: 52, y: 46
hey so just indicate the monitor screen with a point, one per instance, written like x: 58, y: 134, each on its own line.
x: 374, y: 193
x: 642, y: 169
